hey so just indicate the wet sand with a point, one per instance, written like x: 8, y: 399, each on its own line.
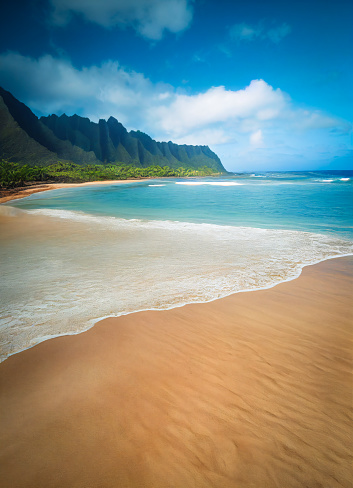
x: 253, y: 390
x: 21, y: 192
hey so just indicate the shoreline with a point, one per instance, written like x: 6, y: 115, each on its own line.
x: 249, y: 390
x: 34, y: 225
x: 96, y: 321
x: 19, y: 226
x: 22, y: 192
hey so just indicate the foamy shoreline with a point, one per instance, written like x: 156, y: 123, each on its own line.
x: 95, y: 321
x: 77, y: 310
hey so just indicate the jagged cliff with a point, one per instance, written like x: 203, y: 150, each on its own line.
x: 25, y: 138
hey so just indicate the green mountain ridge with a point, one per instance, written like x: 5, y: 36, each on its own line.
x: 26, y: 139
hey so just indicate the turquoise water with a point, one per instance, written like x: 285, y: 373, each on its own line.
x: 71, y: 256
x: 314, y: 202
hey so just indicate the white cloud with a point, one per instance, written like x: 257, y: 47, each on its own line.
x: 52, y: 85
x: 245, y: 32
x: 150, y: 18
x: 234, y: 122
x: 217, y: 105
x: 256, y: 138
x: 199, y: 137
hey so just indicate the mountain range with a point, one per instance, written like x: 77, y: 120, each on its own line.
x: 27, y: 139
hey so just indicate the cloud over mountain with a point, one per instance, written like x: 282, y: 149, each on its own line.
x: 256, y: 117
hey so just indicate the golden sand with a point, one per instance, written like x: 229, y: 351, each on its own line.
x: 16, y: 193
x: 253, y: 390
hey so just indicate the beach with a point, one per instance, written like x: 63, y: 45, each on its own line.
x: 251, y: 390
x: 176, y: 244
x: 6, y: 195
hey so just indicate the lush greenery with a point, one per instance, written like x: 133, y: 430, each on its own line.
x: 14, y: 174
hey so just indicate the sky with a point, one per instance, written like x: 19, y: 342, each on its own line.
x: 267, y: 85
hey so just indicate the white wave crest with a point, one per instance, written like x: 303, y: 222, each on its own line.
x: 211, y: 183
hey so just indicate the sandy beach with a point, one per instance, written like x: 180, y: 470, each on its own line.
x: 15, y: 193
x: 252, y: 390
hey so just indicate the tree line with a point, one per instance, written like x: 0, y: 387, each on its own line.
x: 14, y: 175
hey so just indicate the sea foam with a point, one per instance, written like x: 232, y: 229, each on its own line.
x: 74, y: 268
x: 210, y: 183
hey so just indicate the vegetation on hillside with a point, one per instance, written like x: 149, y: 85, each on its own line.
x: 13, y: 175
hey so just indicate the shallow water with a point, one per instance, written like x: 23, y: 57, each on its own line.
x: 69, y: 257
x: 314, y: 202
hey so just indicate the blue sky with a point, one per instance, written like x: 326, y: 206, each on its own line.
x: 267, y: 85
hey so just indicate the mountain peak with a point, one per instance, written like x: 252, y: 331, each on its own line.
x: 77, y: 139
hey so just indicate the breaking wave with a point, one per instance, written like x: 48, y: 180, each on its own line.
x: 75, y: 268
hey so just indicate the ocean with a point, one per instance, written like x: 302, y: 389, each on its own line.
x: 69, y: 257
